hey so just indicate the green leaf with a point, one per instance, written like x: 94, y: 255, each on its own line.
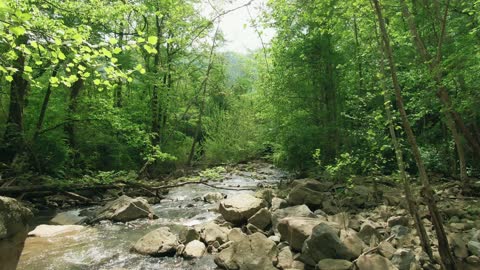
x: 28, y: 69
x: 96, y: 82
x: 113, y: 41
x: 117, y: 50
x: 152, y: 40
x: 53, y: 80
x: 9, y: 78
x: 17, y: 30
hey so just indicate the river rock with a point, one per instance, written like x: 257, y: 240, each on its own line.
x: 261, y: 219
x: 160, y: 242
x: 238, y: 209
x: 67, y: 218
x: 324, y: 243
x: 386, y: 249
x: 278, y: 203
x: 194, y: 249
x: 374, y: 262
x: 213, y: 197
x: 474, y: 247
x: 188, y: 234
x: 285, y: 258
x: 458, y: 245
x: 125, y: 209
x: 367, y: 230
x: 397, y: 220
x: 308, y: 191
x: 294, y: 211
x: 403, y: 258
x: 55, y: 230
x: 351, y: 240
x: 251, y: 252
x: 295, y: 230
x: 334, y: 264
x: 212, y: 232
x: 14, y: 219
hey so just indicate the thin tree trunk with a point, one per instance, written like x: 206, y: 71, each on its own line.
x: 155, y: 94
x: 435, y: 70
x: 427, y: 191
x: 412, y: 205
x: 43, y: 110
x: 13, y: 140
x: 204, y: 93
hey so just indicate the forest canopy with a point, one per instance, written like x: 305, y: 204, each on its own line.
x: 98, y: 85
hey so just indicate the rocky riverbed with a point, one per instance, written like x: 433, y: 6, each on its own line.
x: 307, y: 224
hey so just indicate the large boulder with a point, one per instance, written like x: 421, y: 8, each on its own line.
x: 295, y: 230
x: 278, y: 203
x: 160, y: 242
x: 125, y: 209
x: 212, y: 232
x: 194, y: 249
x: 14, y: 219
x: 310, y: 192
x: 188, y: 234
x: 294, y: 211
x: 238, y: 209
x: 324, y: 243
x: 250, y: 252
x: 351, y: 240
x: 261, y: 219
x: 67, y: 218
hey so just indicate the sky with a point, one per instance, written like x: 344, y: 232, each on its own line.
x: 240, y: 35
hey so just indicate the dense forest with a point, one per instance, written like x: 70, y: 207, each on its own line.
x: 91, y: 90
x: 142, y: 86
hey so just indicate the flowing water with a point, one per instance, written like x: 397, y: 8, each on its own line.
x: 106, y: 245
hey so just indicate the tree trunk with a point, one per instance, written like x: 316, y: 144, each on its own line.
x: 43, y: 110
x: 427, y: 191
x: 156, y: 90
x: 69, y: 126
x: 204, y: 93
x: 412, y: 205
x: 13, y: 139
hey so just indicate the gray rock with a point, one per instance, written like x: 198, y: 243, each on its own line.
x: 251, y: 252
x: 333, y: 264
x: 474, y: 247
x: 374, y: 262
x: 386, y: 249
x: 458, y: 245
x: 278, y: 203
x: 262, y: 219
x: 275, y: 238
x: 194, y: 249
x: 125, y: 209
x: 67, y: 218
x: 14, y: 219
x: 397, y: 220
x: 403, y: 258
x: 400, y: 231
x: 295, y: 230
x: 324, y: 243
x: 238, y: 209
x: 308, y: 191
x: 367, y: 231
x: 213, y: 197
x: 351, y: 240
x: 235, y: 235
x: 285, y: 258
x: 160, y: 242
x: 294, y: 211
x: 188, y: 234
x: 212, y: 232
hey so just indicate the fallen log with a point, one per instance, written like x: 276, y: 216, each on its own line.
x: 14, y: 190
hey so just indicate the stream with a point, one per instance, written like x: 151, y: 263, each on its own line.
x: 107, y: 245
